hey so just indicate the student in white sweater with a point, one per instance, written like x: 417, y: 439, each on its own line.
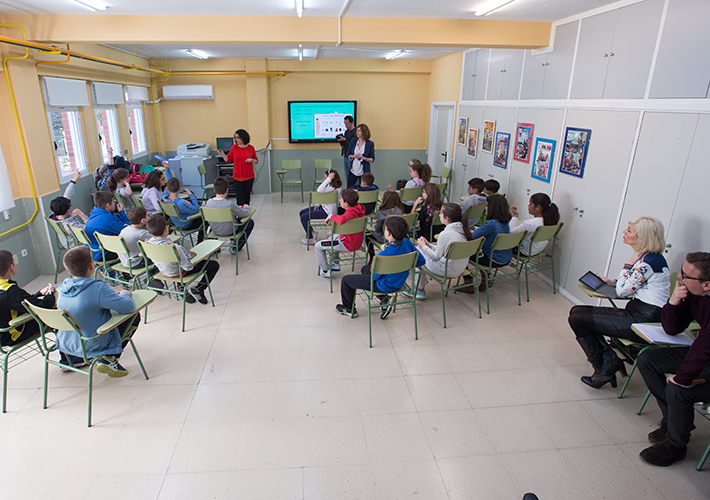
x: 435, y: 253
x: 331, y: 182
x: 544, y: 212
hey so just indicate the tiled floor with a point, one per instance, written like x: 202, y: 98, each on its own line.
x: 271, y: 394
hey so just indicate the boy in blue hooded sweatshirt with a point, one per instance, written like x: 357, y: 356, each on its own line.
x: 107, y: 217
x: 90, y: 303
x: 396, y: 230
x: 185, y: 207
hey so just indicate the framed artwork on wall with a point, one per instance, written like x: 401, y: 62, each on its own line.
x: 461, y: 136
x: 500, y: 157
x: 542, y: 161
x: 489, y: 129
x: 574, y: 155
x: 472, y: 142
x: 523, y: 141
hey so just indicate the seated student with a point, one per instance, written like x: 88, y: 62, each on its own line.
x: 428, y: 204
x: 11, y: 297
x: 90, y: 302
x: 221, y: 189
x: 331, y: 182
x: 186, y: 207
x: 497, y: 222
x: 62, y: 212
x: 396, y: 229
x: 476, y: 196
x: 152, y: 191
x: 391, y: 205
x: 544, y: 212
x: 118, y: 182
x: 367, y: 183
x: 347, y: 243
x: 103, y: 220
x: 102, y: 173
x: 491, y: 186
x: 159, y: 229
x: 417, y: 171
x: 132, y: 235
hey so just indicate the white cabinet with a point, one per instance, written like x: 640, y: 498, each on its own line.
x: 506, y: 67
x: 505, y: 122
x: 546, y: 76
x: 615, y: 52
x: 682, y: 65
x: 475, y: 71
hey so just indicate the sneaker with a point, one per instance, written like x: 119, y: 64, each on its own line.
x: 325, y: 273
x: 387, y: 308
x: 335, y: 267
x: 341, y: 309
x: 311, y: 242
x: 662, y: 454
x: 659, y: 434
x: 156, y: 284
x: 111, y: 367
x: 76, y: 362
x: 420, y: 295
x: 199, y: 295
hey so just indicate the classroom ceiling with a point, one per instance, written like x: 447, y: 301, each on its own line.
x: 518, y: 10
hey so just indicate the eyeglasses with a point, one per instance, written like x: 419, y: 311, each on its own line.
x: 686, y: 277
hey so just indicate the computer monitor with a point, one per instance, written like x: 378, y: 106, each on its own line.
x: 225, y: 143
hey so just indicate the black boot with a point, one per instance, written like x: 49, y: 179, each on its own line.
x: 593, y: 349
x: 610, y: 365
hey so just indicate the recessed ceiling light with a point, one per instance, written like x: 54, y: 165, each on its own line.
x: 395, y: 55
x: 299, y: 7
x: 92, y: 5
x: 197, y: 53
x: 490, y: 7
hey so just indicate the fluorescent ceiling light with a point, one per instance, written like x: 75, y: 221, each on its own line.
x: 395, y: 55
x: 197, y: 53
x: 490, y: 7
x: 92, y: 5
x: 299, y: 7
x: 300, y: 52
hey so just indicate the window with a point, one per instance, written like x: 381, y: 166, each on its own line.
x: 65, y: 129
x: 136, y: 128
x: 107, y: 126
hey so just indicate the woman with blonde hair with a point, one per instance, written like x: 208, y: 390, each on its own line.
x: 645, y: 278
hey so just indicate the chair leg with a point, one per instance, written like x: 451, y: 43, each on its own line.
x: 527, y: 286
x: 703, y: 459
x: 46, y: 380
x: 414, y: 306
x: 138, y: 357
x: 443, y: 302
x: 4, y: 383
x: 643, y: 403
x: 631, y: 372
x: 91, y: 380
x: 184, y: 294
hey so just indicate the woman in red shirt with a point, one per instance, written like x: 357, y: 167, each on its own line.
x: 243, y: 155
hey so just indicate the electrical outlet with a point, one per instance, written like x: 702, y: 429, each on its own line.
x: 24, y: 252
x: 6, y: 213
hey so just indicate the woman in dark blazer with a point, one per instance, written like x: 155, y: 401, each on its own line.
x: 362, y: 153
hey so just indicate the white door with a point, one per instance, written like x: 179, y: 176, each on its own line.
x: 441, y: 136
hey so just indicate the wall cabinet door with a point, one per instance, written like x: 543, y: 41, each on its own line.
x: 481, y: 74
x: 505, y: 122
x: 469, y: 73
x: 533, y: 75
x: 558, y: 67
x: 593, y: 51
x: 497, y: 73
x: 512, y: 74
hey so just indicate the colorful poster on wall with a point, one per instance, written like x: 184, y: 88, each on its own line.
x: 542, y: 161
x: 523, y: 141
x: 574, y: 156
x: 489, y: 129
x: 500, y: 156
x: 463, y: 126
x: 472, y: 142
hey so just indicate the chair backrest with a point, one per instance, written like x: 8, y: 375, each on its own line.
x: 119, y: 199
x: 409, y: 194
x: 368, y: 196
x: 169, y: 209
x: 316, y: 198
x: 223, y: 214
x: 674, y: 280
x: 80, y: 235
x: 57, y: 227
x: 201, y: 169
x: 57, y: 319
x: 392, y: 264
x: 291, y: 164
x: 159, y: 253
x: 115, y: 244
x: 324, y: 164
x: 137, y: 202
x: 464, y: 249
x: 442, y: 188
x: 444, y: 175
x: 352, y: 226
x: 508, y: 241
x: 411, y: 219
x: 475, y: 211
x: 544, y: 233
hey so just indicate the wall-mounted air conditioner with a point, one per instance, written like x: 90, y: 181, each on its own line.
x: 174, y: 92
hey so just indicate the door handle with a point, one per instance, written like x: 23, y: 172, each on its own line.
x: 445, y: 155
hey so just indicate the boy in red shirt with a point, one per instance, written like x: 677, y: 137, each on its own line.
x: 347, y: 243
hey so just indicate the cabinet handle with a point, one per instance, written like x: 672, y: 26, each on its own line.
x: 547, y: 64
x: 575, y: 209
x: 668, y: 245
x: 611, y: 54
x: 502, y: 71
x: 606, y: 55
x: 473, y: 75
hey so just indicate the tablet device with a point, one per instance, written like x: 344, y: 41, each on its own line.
x: 592, y: 281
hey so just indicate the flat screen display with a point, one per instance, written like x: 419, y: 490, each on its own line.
x: 318, y: 121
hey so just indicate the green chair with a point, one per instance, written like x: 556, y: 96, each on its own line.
x: 137, y: 202
x: 51, y: 320
x: 435, y: 221
x: 392, y: 264
x: 122, y: 275
x: 542, y: 260
x: 83, y: 239
x: 322, y: 166
x: 316, y: 198
x: 203, y: 179
x: 410, y: 194
x: 352, y: 226
x: 442, y: 189
x: 286, y: 166
x: 170, y: 210
x: 457, y: 250
x: 444, y: 181
x: 168, y: 253
x: 411, y: 220
x: 475, y: 212
x: 223, y: 215
x: 502, y: 242
x: 63, y: 242
x: 120, y: 199
x: 13, y: 355
x: 369, y: 197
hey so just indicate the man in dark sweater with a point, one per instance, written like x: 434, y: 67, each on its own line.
x: 676, y: 394
x: 344, y: 140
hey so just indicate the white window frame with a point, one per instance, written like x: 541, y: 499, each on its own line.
x: 114, y: 137
x: 137, y: 135
x: 80, y: 163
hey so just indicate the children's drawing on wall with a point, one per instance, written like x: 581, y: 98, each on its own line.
x: 500, y: 157
x: 574, y: 156
x: 463, y: 125
x: 488, y: 133
x: 472, y: 142
x: 544, y: 153
x: 523, y: 140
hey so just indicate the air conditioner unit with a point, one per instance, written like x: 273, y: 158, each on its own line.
x: 174, y: 92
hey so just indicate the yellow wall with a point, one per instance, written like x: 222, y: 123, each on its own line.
x: 445, y: 81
